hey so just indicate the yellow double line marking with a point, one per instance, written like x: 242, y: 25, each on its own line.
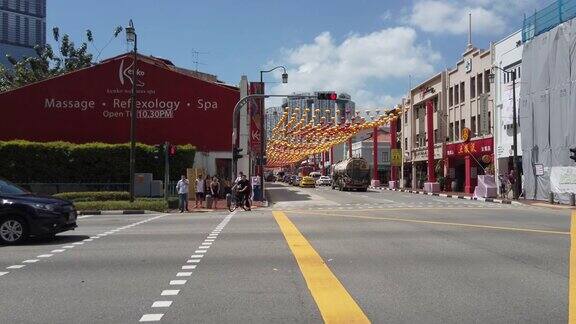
x: 572, y: 274
x: 335, y: 303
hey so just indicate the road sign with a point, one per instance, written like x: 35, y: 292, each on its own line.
x: 396, y: 157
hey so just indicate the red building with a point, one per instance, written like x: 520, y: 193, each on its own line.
x: 93, y: 105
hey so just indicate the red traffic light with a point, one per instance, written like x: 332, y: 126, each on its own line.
x: 327, y: 96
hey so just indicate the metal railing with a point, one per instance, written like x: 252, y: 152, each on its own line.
x: 547, y: 18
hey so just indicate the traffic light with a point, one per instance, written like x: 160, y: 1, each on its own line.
x: 236, y: 154
x: 172, y: 151
x: 158, y: 151
x: 327, y: 96
x: 573, y: 151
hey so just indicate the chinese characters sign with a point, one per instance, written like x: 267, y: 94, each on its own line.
x: 478, y: 147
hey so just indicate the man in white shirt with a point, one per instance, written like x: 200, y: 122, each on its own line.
x: 182, y: 189
x: 199, y: 191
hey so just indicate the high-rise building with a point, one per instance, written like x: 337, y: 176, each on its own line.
x: 22, y: 26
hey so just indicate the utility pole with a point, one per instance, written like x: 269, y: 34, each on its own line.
x: 517, y: 177
x: 166, y: 169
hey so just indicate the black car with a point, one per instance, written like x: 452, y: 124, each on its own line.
x: 23, y: 214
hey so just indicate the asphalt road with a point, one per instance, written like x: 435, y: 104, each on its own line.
x: 315, y: 255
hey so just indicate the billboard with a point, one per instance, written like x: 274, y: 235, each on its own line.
x: 93, y: 105
x: 255, y: 109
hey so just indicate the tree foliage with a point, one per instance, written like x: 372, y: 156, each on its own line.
x: 49, y: 63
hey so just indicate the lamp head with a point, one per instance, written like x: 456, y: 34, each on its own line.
x: 130, y: 32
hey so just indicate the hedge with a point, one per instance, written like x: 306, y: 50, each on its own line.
x: 94, y: 195
x: 63, y: 162
x: 158, y: 204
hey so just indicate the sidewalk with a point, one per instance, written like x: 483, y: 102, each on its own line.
x: 457, y: 195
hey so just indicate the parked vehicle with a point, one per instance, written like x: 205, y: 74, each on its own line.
x: 324, y: 181
x: 23, y: 214
x: 352, y: 173
x: 296, y: 180
x: 316, y: 175
x: 270, y: 177
x: 307, y: 182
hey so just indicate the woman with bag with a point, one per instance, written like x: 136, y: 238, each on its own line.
x: 215, y: 191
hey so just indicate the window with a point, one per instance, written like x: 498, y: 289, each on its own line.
x: 450, y: 96
x: 473, y: 125
x: 457, y: 130
x: 462, y: 123
x: 385, y: 156
x: 451, y: 132
x: 405, y: 117
x: 417, y: 144
x: 489, y: 123
x: 479, y: 125
x: 472, y: 87
x: 436, y: 136
x: 405, y: 143
x: 17, y: 39
x: 518, y: 73
x: 486, y: 81
x: 462, y: 92
x: 27, y: 31
x: 456, y: 101
x: 479, y: 81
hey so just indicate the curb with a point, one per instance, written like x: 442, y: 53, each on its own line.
x: 111, y: 212
x: 491, y: 200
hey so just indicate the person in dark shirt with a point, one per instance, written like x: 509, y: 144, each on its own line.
x: 244, y: 190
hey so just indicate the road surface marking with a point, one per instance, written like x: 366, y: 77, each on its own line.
x: 183, y: 274
x: 334, y: 302
x: 30, y: 261
x: 45, y: 255
x: 404, y: 208
x: 572, y: 274
x: 407, y: 220
x: 196, y: 258
x: 151, y: 317
x: 69, y: 246
x: 162, y: 303
x: 3, y: 273
x: 18, y: 266
x: 57, y: 251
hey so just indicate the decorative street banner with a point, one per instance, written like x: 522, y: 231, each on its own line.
x: 255, y: 108
x: 93, y: 105
x: 396, y: 157
x: 483, y: 111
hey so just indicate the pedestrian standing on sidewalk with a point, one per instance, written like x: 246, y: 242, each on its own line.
x: 182, y: 189
x: 215, y: 191
x: 199, y: 191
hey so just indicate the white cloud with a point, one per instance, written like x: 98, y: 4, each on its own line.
x: 489, y: 17
x: 383, y: 56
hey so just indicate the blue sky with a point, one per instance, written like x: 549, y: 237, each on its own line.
x: 365, y: 48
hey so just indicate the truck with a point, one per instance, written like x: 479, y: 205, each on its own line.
x: 352, y: 173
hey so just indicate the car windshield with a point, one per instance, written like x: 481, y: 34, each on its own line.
x: 10, y: 188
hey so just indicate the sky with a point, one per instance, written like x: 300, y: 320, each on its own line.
x: 372, y: 50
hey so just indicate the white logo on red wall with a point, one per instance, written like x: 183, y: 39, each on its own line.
x: 127, y: 73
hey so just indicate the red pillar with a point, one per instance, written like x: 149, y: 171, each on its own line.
x: 331, y: 156
x: 467, y: 174
x: 375, y: 154
x: 350, y: 147
x: 430, y: 138
x: 393, y: 145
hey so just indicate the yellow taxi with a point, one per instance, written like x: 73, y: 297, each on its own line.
x: 307, y: 182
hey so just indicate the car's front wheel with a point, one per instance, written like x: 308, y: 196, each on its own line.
x: 13, y: 230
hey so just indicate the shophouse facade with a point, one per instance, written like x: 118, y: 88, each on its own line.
x: 469, y: 148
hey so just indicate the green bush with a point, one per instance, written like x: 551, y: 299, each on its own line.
x: 94, y: 195
x: 63, y: 162
x: 158, y: 205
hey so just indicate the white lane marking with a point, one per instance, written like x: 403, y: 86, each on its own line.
x: 162, y: 303
x: 193, y: 261
x: 169, y: 292
x: 69, y: 246
x: 196, y: 256
x: 88, y: 240
x: 207, y: 243
x: 45, y: 255
x: 151, y: 317
x: 3, y: 273
x: 57, y: 251
x: 177, y: 282
x: 209, y: 240
x: 183, y: 274
x: 200, y: 251
x: 30, y: 261
x: 78, y: 243
x: 18, y: 266
x: 188, y: 267
x: 86, y: 216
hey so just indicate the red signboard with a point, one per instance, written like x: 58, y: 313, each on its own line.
x: 255, y: 108
x: 93, y: 105
x: 477, y: 147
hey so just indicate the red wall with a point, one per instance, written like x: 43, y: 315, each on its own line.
x: 173, y: 107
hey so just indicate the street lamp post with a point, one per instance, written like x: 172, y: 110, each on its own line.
x: 263, y: 135
x: 517, y: 177
x: 131, y: 37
